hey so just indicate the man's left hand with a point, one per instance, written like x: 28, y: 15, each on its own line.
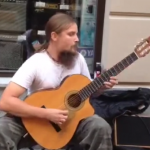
x: 108, y: 85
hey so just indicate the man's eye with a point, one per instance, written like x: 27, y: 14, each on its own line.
x: 71, y: 34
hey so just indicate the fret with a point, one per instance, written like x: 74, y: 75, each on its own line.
x: 94, y: 85
x: 114, y: 71
x: 97, y: 85
x: 103, y: 77
x: 132, y: 58
x: 84, y: 95
x: 118, y: 68
x: 110, y: 73
x: 129, y: 59
x: 99, y: 81
x: 106, y: 74
x: 122, y: 66
x: 86, y: 92
x: 125, y: 62
x: 91, y: 87
x: 88, y: 88
x: 81, y: 95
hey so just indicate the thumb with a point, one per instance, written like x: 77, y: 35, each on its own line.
x: 64, y: 112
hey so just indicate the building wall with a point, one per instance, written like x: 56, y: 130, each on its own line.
x: 1, y: 90
x: 129, y: 22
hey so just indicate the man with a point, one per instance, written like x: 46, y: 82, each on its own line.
x: 46, y: 69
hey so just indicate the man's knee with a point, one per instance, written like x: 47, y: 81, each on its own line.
x: 4, y: 134
x: 10, y: 133
x: 99, y: 124
x: 4, y: 129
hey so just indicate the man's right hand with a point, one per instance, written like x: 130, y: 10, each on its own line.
x: 57, y: 116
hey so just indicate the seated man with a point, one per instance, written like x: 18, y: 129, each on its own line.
x: 46, y: 69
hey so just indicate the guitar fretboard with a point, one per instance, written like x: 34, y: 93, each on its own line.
x: 91, y: 88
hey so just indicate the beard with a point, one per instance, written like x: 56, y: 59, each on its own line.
x: 68, y: 57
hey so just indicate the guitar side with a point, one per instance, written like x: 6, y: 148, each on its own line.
x: 42, y: 131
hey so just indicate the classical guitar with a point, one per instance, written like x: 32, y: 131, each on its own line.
x: 73, y: 95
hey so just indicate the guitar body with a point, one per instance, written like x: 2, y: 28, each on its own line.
x: 44, y: 132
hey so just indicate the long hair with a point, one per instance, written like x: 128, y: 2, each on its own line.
x: 57, y: 23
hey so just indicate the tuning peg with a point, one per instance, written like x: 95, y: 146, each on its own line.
x: 147, y: 49
x: 138, y: 42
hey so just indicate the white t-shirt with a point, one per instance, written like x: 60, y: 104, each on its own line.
x: 41, y: 72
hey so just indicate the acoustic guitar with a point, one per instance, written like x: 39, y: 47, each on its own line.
x: 73, y: 95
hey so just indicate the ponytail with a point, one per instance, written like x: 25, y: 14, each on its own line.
x: 44, y: 46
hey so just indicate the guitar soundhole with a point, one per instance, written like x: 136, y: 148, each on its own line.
x: 74, y: 100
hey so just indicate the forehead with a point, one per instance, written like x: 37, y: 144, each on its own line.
x: 72, y: 28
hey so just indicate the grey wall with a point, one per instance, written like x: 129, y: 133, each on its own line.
x: 1, y: 91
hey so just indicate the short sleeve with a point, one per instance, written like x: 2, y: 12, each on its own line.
x: 84, y: 67
x: 25, y: 74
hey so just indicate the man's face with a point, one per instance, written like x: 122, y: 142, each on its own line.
x: 67, y: 42
x: 68, y: 38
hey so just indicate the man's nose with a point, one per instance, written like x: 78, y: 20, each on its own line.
x: 76, y: 39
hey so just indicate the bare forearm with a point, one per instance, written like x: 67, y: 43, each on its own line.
x: 19, y: 108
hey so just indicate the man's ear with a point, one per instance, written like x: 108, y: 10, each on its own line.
x: 54, y: 36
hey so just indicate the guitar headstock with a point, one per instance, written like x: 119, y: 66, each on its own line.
x: 143, y: 47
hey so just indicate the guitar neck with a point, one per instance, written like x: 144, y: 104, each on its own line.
x: 91, y: 88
